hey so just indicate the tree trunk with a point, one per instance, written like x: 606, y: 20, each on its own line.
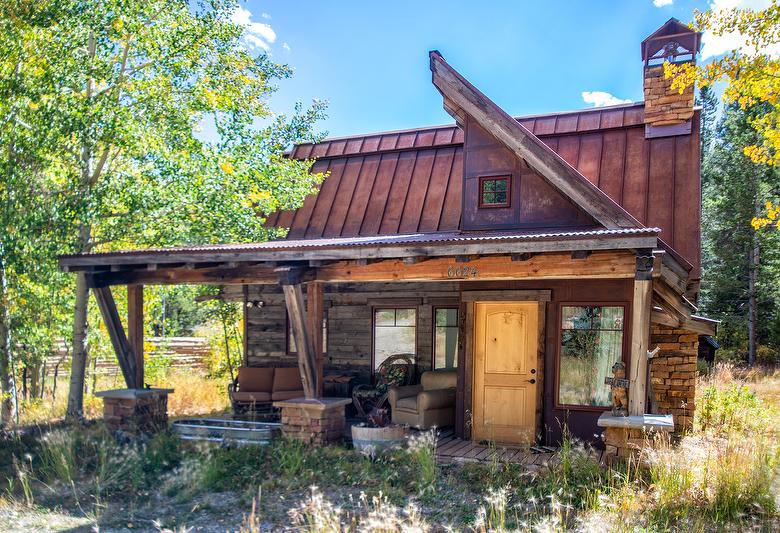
x: 752, y: 289
x: 752, y: 300
x: 8, y: 401
x: 79, y: 360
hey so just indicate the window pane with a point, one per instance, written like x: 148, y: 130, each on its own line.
x: 500, y: 197
x: 576, y: 317
x: 500, y: 185
x: 445, y: 347
x: 405, y: 317
x: 384, y: 317
x: 446, y: 317
x: 608, y: 318
x: 392, y: 340
x: 588, y: 353
x: 489, y: 198
x: 488, y: 186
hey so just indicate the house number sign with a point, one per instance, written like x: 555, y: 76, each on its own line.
x: 462, y: 271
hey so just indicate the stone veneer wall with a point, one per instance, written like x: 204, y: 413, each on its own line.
x: 673, y: 373
x: 145, y: 414
x: 663, y: 105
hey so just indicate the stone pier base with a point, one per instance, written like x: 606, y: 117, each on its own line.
x: 626, y: 436
x: 317, y: 421
x: 136, y: 410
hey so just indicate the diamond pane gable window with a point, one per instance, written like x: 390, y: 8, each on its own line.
x: 494, y: 191
x: 591, y: 342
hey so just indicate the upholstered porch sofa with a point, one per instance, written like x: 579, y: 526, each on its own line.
x: 429, y: 404
x: 257, y: 388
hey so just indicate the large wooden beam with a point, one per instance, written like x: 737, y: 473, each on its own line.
x: 315, y: 317
x: 124, y: 354
x: 293, y: 297
x: 640, y: 332
x: 599, y: 265
x: 461, y: 97
x: 135, y: 328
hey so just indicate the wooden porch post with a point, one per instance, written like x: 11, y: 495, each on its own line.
x: 640, y: 332
x: 124, y: 353
x: 315, y: 314
x: 290, y: 279
x: 135, y: 329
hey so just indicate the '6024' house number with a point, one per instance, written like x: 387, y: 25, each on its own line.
x: 462, y: 271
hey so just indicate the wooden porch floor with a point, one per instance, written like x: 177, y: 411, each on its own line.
x: 451, y: 449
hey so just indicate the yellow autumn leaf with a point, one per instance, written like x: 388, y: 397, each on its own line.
x: 226, y: 167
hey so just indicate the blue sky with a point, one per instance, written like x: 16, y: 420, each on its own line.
x: 370, y: 59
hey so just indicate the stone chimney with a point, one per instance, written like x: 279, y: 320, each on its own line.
x: 667, y: 112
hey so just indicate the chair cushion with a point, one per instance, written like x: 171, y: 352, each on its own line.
x: 287, y: 379
x: 286, y: 395
x: 251, y: 396
x: 252, y: 379
x: 409, y: 403
x: 439, y: 379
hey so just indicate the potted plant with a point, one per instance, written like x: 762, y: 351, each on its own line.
x: 377, y: 434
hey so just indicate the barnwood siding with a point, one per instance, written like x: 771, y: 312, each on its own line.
x: 348, y: 311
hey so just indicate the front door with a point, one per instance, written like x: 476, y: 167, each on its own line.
x: 506, y: 335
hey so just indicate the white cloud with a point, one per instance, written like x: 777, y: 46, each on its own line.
x: 286, y: 46
x: 601, y: 99
x: 662, y: 3
x: 258, y: 34
x: 715, y: 45
x: 266, y: 16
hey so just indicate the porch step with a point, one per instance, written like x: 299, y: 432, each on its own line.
x: 226, y: 430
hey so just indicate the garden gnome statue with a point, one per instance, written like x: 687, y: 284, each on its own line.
x: 619, y: 385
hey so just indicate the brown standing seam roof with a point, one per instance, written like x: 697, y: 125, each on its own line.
x: 410, y: 181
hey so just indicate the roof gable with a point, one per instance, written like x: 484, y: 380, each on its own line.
x: 462, y: 100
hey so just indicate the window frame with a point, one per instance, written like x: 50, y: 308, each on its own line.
x: 625, y: 353
x: 480, y: 192
x: 395, y: 305
x: 435, y: 308
x: 288, y: 334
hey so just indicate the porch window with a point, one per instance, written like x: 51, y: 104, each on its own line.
x: 591, y: 342
x: 494, y: 191
x: 395, y: 332
x: 293, y: 349
x: 445, y: 338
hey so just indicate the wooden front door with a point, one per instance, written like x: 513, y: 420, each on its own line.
x: 506, y: 335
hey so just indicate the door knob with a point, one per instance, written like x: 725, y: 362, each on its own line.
x: 531, y: 381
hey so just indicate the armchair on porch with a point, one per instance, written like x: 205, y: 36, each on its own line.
x: 397, y: 370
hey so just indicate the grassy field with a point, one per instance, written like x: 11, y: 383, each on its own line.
x: 722, y: 476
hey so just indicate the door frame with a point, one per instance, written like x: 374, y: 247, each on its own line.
x: 465, y: 392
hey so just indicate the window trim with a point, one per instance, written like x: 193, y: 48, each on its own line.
x: 625, y: 353
x: 435, y: 308
x: 288, y: 333
x: 397, y: 304
x: 482, y: 205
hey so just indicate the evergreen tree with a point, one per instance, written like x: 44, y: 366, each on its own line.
x: 740, y: 265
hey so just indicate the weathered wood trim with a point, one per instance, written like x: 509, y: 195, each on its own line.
x: 135, y: 328
x: 672, y: 301
x: 245, y: 314
x: 293, y: 297
x: 116, y: 332
x: 394, y: 302
x: 541, y: 371
x: 509, y: 295
x: 314, y: 315
x: 468, y: 370
x: 463, y: 98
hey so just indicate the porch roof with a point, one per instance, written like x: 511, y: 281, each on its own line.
x: 375, y: 246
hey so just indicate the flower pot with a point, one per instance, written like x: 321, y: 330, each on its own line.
x: 372, y: 440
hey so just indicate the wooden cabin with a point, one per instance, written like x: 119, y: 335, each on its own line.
x: 529, y: 254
